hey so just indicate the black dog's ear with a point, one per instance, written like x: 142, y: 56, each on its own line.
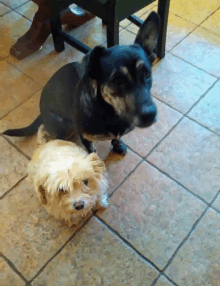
x: 93, y: 68
x: 148, y: 35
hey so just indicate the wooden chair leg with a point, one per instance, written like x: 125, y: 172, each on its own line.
x: 163, y: 11
x: 112, y: 33
x: 112, y: 24
x: 56, y: 27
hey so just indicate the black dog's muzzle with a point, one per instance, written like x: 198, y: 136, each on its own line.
x: 146, y: 109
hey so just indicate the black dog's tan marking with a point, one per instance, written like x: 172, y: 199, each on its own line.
x: 104, y: 96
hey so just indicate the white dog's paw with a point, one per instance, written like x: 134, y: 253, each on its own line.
x: 103, y: 203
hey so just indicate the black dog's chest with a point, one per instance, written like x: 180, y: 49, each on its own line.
x: 102, y: 126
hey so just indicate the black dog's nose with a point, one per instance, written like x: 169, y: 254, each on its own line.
x: 78, y: 205
x: 148, y: 115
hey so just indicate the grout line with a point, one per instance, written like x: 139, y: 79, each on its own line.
x: 61, y: 248
x: 161, y: 100
x: 11, y: 265
x: 201, y: 97
x: 208, y: 17
x: 167, y: 277
x: 22, y: 14
x: 164, y: 137
x: 155, y: 280
x: 189, y: 234
x: 178, y: 183
x: 185, y: 114
x: 13, y: 9
x: 128, y: 243
x: 122, y: 182
x: 218, y: 193
x: 207, y: 128
x: 14, y: 186
x: 29, y: 97
x: 13, y: 145
x: 22, y: 71
x: 216, y: 210
x: 170, y: 52
x: 198, y: 25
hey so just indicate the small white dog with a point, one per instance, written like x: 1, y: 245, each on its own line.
x: 69, y: 181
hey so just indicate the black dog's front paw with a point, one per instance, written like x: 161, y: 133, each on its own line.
x: 88, y: 145
x: 119, y: 147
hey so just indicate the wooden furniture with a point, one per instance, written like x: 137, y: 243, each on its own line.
x: 111, y: 12
x: 40, y: 29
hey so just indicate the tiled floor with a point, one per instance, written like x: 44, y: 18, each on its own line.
x: 162, y: 226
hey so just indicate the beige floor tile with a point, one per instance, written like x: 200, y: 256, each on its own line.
x: 197, y: 262
x: 162, y: 281
x: 13, y: 3
x: 6, y: 42
x: 207, y: 110
x: 126, y: 38
x: 38, y: 65
x: 28, y: 10
x: 194, y: 11
x: 202, y: 49
x: 92, y: 33
x: 29, y: 236
x: 12, y: 166
x: 95, y: 256
x: 191, y: 155
x: 143, y: 140
x: 4, y: 9
x: 216, y: 203
x: 44, y: 63
x: 178, y: 83
x: 118, y: 167
x: 15, y: 87
x: 177, y: 29
x: 14, y: 24
x: 133, y: 28
x: 8, y: 276
x: 22, y: 117
x: 213, y: 23
x: 153, y: 213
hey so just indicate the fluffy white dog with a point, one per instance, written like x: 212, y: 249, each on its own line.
x: 69, y: 181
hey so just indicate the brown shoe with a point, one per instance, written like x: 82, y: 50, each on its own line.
x: 35, y: 37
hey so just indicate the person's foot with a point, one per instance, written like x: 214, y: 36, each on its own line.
x: 32, y: 41
x: 36, y: 36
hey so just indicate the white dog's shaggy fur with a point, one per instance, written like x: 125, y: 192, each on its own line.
x: 69, y: 181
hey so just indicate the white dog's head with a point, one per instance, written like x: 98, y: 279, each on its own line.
x: 68, y: 180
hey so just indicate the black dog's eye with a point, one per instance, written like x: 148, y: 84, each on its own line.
x: 62, y: 190
x: 146, y: 72
x: 85, y: 182
x: 118, y: 81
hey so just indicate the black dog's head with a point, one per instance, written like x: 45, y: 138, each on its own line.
x: 124, y: 74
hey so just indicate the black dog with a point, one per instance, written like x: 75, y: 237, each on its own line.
x: 104, y: 96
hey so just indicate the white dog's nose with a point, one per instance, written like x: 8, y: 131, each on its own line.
x: 78, y: 205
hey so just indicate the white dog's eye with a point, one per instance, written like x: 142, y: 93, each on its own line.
x: 85, y: 182
x: 62, y: 190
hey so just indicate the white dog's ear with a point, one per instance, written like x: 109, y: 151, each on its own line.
x: 42, y: 195
x: 98, y: 165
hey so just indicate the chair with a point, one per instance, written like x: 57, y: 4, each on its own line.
x: 111, y: 12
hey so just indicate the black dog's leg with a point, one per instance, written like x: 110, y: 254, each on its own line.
x: 119, y: 146
x: 88, y: 145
